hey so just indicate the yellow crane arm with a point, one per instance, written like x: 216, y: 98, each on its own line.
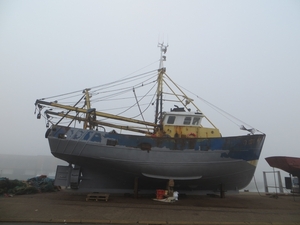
x: 101, y: 114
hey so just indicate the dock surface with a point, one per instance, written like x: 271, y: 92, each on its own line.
x: 68, y: 206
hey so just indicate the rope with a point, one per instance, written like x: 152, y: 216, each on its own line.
x: 137, y: 102
x: 256, y: 186
x: 221, y: 111
x: 150, y: 103
x: 127, y: 89
x: 98, y: 86
x: 134, y: 104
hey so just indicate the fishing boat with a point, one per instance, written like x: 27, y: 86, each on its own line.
x: 122, y: 151
x: 290, y: 165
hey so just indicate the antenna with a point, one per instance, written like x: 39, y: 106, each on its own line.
x: 163, y: 50
x: 161, y: 71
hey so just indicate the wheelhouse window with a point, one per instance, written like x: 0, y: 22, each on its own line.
x: 187, y: 120
x: 171, y: 120
x: 196, y: 121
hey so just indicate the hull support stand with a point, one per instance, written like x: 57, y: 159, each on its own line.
x: 135, y: 190
x: 222, y: 191
x: 170, y: 188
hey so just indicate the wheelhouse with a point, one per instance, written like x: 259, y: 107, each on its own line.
x: 187, y: 125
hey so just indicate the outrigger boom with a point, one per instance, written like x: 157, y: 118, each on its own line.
x: 91, y: 113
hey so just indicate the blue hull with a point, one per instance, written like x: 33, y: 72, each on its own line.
x: 111, y: 162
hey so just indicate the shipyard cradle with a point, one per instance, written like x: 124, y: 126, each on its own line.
x: 181, y: 144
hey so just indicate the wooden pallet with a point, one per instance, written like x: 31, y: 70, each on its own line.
x: 97, y: 196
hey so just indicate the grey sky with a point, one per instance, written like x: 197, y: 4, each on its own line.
x: 243, y: 56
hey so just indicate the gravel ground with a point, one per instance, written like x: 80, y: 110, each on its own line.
x: 71, y: 207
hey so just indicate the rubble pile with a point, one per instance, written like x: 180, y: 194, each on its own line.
x: 31, y: 186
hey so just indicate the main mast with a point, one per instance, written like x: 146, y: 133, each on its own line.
x: 159, y: 91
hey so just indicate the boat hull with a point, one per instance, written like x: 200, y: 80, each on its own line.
x: 290, y: 165
x: 112, y: 162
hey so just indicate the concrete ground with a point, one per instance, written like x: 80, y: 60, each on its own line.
x: 67, y: 206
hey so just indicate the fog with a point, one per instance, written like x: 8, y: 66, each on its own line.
x: 242, y: 56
